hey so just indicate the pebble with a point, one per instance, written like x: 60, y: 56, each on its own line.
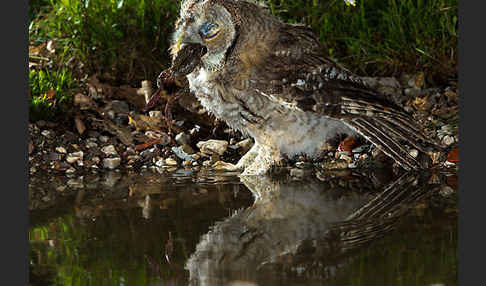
x: 414, y: 153
x: 183, y: 138
x: 111, y: 163
x: 296, y: 172
x: 46, y: 133
x: 155, y: 113
x: 213, y: 146
x: 61, y: 150
x: 171, y: 162
x: 104, y: 139
x: 70, y: 170
x: 91, y: 144
x: 179, y: 152
x: 73, y: 157
x: 160, y: 163
x: 446, y: 191
x: 109, y: 150
x: 448, y: 140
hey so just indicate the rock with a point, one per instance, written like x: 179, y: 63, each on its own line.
x: 160, y: 163
x: 346, y: 158
x: 80, y: 127
x: 155, y: 113
x: 111, y: 163
x: 340, y: 164
x: 448, y: 140
x: 302, y: 165
x: 73, y: 157
x: 83, y: 101
x: 104, y: 139
x: 188, y: 149
x: 118, y: 106
x: 91, y: 144
x: 213, y: 146
x: 183, y: 138
x: 414, y: 153
x: 61, y: 150
x: 182, y: 154
x: 109, y: 150
x: 223, y: 166
x: 171, y: 162
x: 47, y: 133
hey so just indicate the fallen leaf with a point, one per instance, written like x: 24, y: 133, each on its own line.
x: 347, y: 145
x: 79, y: 125
x: 146, y: 145
x: 453, y: 155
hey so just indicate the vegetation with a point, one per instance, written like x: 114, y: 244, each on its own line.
x: 125, y: 41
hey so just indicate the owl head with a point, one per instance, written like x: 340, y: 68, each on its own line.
x: 211, y: 25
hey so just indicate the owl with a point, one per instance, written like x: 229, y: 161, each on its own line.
x: 272, y: 81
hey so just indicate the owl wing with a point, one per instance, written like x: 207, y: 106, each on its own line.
x: 298, y: 74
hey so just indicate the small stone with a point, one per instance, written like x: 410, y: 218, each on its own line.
x: 181, y: 153
x: 73, y: 157
x: 207, y: 163
x: 70, y: 170
x: 213, y: 146
x: 171, y: 162
x: 95, y: 160
x: 118, y: 106
x: 223, y: 166
x: 109, y: 150
x: 91, y: 144
x: 80, y: 127
x: 46, y: 133
x: 195, y: 163
x: 183, y: 138
x: 346, y: 158
x: 155, y: 113
x: 160, y: 163
x: 61, y: 150
x: 414, y: 153
x: 340, y: 164
x: 111, y: 163
x: 196, y: 156
x: 104, y: 139
x: 302, y: 165
x: 448, y: 140
x: 187, y: 163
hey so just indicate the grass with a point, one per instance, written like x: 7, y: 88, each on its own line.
x: 50, y: 93
x: 383, y: 37
x: 126, y: 41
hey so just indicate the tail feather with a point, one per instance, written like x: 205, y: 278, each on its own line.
x: 389, y: 145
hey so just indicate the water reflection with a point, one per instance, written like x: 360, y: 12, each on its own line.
x: 219, y: 229
x: 299, y: 229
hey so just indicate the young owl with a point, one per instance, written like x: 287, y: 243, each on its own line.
x: 273, y: 82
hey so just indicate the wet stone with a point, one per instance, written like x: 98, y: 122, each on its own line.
x: 213, y: 146
x: 103, y: 138
x: 61, y: 150
x: 448, y: 140
x: 74, y: 157
x: 111, y: 163
x: 183, y: 138
x: 171, y: 162
x: 109, y: 150
x: 179, y: 152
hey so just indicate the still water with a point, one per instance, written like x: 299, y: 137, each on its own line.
x: 183, y: 228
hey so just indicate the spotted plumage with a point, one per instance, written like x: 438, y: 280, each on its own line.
x: 272, y: 81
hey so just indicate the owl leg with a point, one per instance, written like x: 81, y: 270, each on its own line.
x: 267, y: 158
x: 249, y: 157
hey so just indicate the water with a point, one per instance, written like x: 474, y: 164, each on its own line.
x: 184, y: 228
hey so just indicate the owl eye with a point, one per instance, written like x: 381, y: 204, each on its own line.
x: 209, y: 30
